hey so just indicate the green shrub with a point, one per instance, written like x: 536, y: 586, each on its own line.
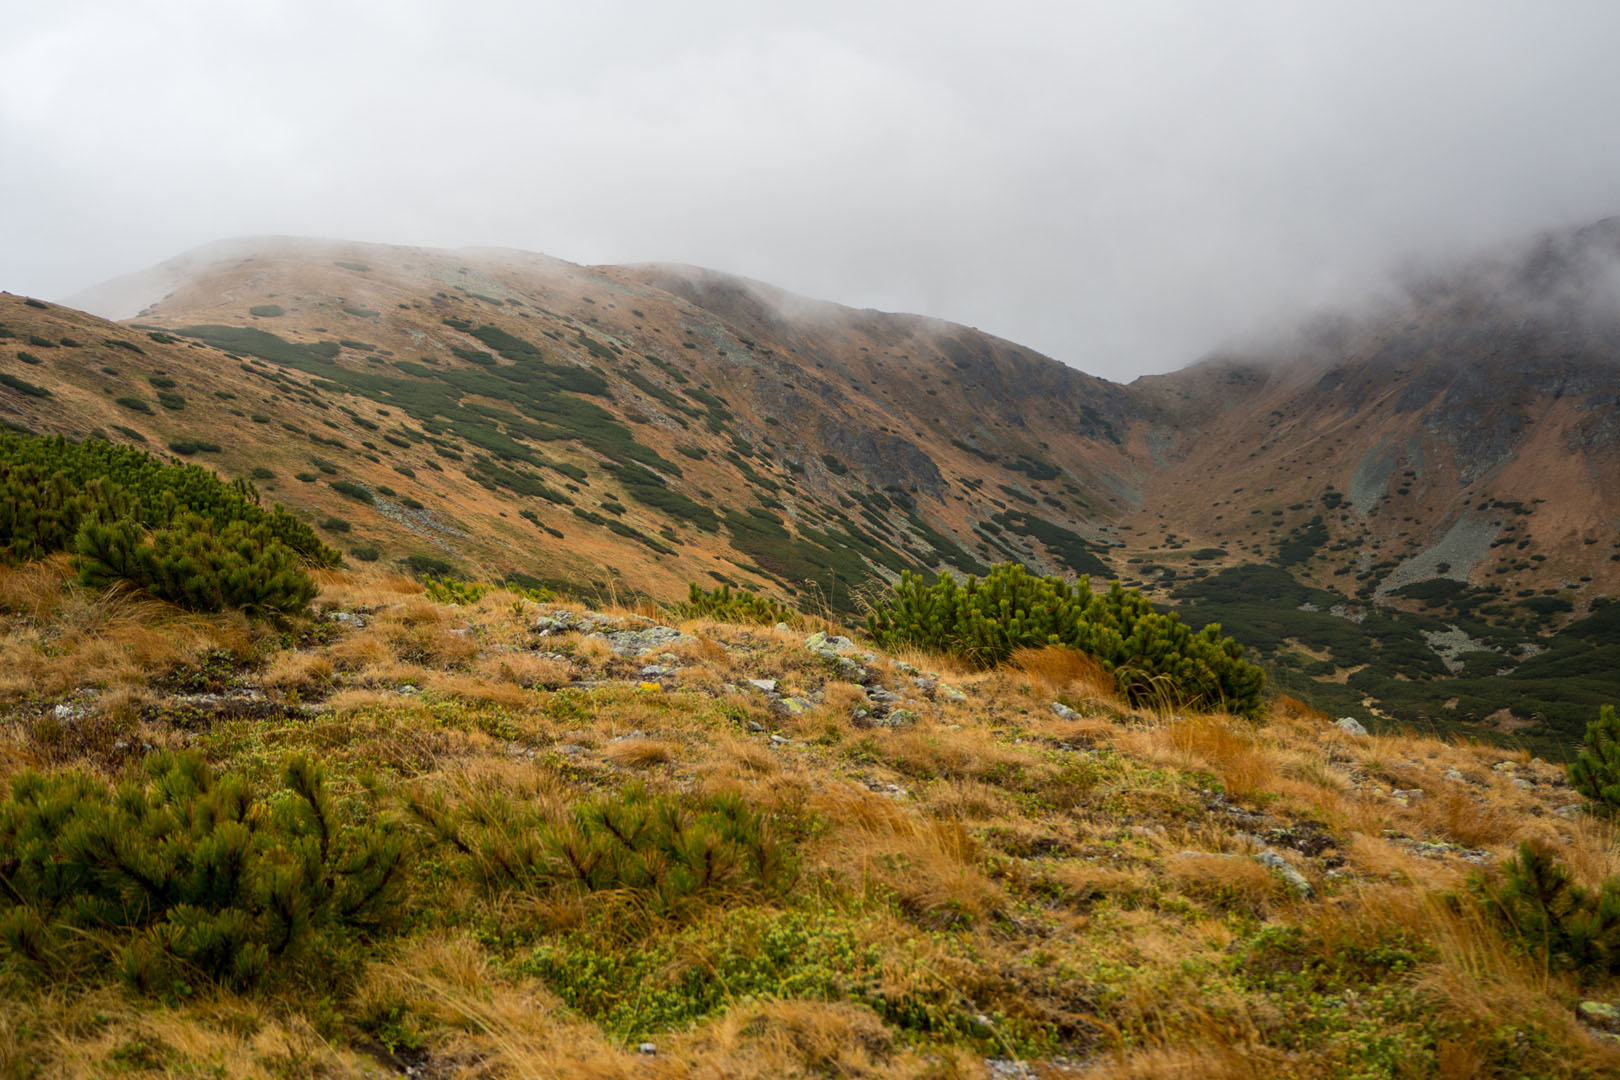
x: 425, y: 566
x: 722, y: 604
x: 1153, y: 657
x: 353, y: 491
x: 23, y: 386
x: 308, y: 477
x: 366, y: 552
x: 134, y: 404
x: 180, y: 873
x: 448, y: 590
x: 336, y: 524
x: 162, y: 382
x: 664, y: 853
x: 267, y: 311
x: 52, y: 489
x: 1595, y: 772
x: 194, y: 564
x: 262, y: 473
x: 187, y: 447
x: 1537, y: 903
x: 29, y: 358
x: 752, y: 953
x: 168, y: 400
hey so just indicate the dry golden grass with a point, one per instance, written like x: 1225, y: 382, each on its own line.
x: 34, y: 590
x: 300, y: 673
x: 361, y: 649
x: 929, y: 865
x: 640, y: 753
x: 1245, y: 766
x: 526, y: 670
x: 1058, y: 669
x: 478, y: 690
x: 1229, y: 881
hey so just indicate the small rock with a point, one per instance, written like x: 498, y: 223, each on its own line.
x: 345, y: 618
x: 898, y: 718
x: 64, y: 713
x: 765, y: 685
x: 823, y: 645
x: 568, y: 749
x: 657, y: 671
x: 638, y: 642
x: 1349, y: 725
x: 1404, y: 795
x: 1573, y: 810
x: 410, y: 688
x: 793, y: 706
x: 755, y: 726
x: 1600, y: 1014
x: 1296, y: 881
x: 781, y: 627
x: 951, y: 693
x: 559, y: 623
x: 1456, y: 777
x: 1521, y: 782
x: 1504, y: 766
x: 780, y: 740
x: 1064, y: 712
x: 647, y: 1048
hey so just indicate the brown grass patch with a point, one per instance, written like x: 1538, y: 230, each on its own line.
x: 479, y: 690
x: 928, y: 865
x: 360, y: 650
x: 1059, y: 669
x: 1245, y: 770
x: 526, y: 669
x: 639, y: 753
x: 300, y: 673
x: 1232, y: 882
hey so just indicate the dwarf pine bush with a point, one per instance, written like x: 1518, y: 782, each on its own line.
x: 1537, y: 903
x: 182, y: 872
x: 177, y: 531
x: 723, y: 604
x: 665, y: 852
x: 1595, y: 772
x: 1153, y: 657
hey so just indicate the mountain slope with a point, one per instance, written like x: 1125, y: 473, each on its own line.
x: 1383, y: 505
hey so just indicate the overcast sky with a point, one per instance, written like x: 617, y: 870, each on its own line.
x: 1121, y: 185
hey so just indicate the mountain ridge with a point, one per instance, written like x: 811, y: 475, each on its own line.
x: 670, y: 424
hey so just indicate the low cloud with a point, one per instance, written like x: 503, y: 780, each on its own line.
x: 1124, y: 187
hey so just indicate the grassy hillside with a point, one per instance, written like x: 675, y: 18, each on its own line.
x: 512, y: 836
x: 1397, y: 543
